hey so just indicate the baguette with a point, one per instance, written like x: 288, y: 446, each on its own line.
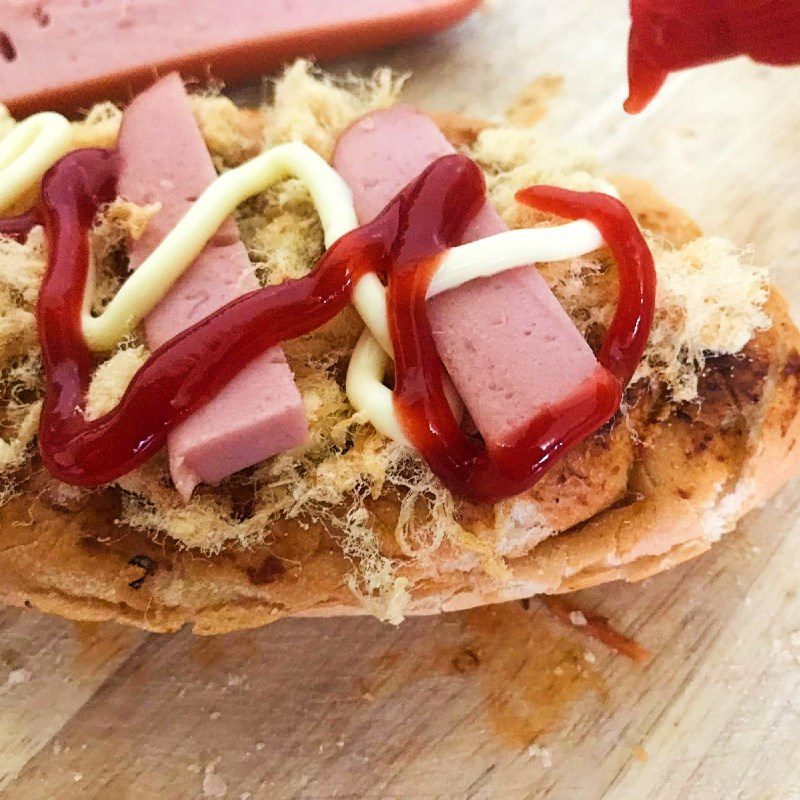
x: 657, y: 486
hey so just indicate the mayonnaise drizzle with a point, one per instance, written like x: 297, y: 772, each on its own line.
x: 37, y: 143
x: 150, y: 283
x: 510, y: 249
x: 29, y: 149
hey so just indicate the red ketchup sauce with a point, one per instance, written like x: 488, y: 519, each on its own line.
x: 464, y: 464
x: 402, y: 245
x: 20, y: 226
x: 670, y: 35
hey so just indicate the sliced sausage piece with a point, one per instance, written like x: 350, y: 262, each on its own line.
x: 61, y: 54
x: 260, y: 412
x: 508, y: 345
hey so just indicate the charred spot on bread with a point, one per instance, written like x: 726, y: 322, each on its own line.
x: 467, y: 660
x: 744, y: 373
x: 144, y: 563
x: 791, y: 368
x: 728, y: 386
x: 268, y: 571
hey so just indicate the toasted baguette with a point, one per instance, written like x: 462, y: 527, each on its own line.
x: 626, y: 509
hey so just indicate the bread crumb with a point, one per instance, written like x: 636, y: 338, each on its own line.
x: 15, y: 678
x: 215, y: 714
x: 122, y: 220
x: 233, y: 135
x: 577, y: 618
x: 520, y: 526
x: 640, y: 754
x: 794, y: 645
x: 99, y: 128
x: 77, y: 777
x: 542, y: 753
x: 118, y: 224
x: 260, y: 746
x: 213, y: 784
x: 22, y: 266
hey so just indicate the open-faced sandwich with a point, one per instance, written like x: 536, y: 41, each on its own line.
x: 336, y: 356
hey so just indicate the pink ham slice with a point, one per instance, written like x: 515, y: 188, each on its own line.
x: 260, y: 412
x: 508, y: 345
x: 64, y: 54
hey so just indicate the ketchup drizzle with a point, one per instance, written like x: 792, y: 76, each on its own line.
x: 403, y: 246
x: 670, y: 35
x: 20, y: 226
x: 629, y: 330
x: 465, y: 465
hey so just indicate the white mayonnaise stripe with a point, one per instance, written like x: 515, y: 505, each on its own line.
x: 149, y: 284
x: 511, y: 249
x: 369, y: 298
x: 367, y: 393
x: 365, y: 389
x: 28, y: 151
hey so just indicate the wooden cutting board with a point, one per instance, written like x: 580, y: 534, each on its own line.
x: 499, y: 703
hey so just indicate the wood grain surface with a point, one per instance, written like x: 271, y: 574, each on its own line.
x: 498, y: 703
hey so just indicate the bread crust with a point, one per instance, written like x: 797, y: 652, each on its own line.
x: 628, y: 508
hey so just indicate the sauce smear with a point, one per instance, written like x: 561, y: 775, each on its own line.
x: 402, y: 245
x: 671, y: 35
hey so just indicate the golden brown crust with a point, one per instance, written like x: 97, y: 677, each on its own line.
x: 630, y: 507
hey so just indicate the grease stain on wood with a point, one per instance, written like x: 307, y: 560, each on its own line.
x: 528, y: 674
x: 97, y: 644
x: 228, y: 649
